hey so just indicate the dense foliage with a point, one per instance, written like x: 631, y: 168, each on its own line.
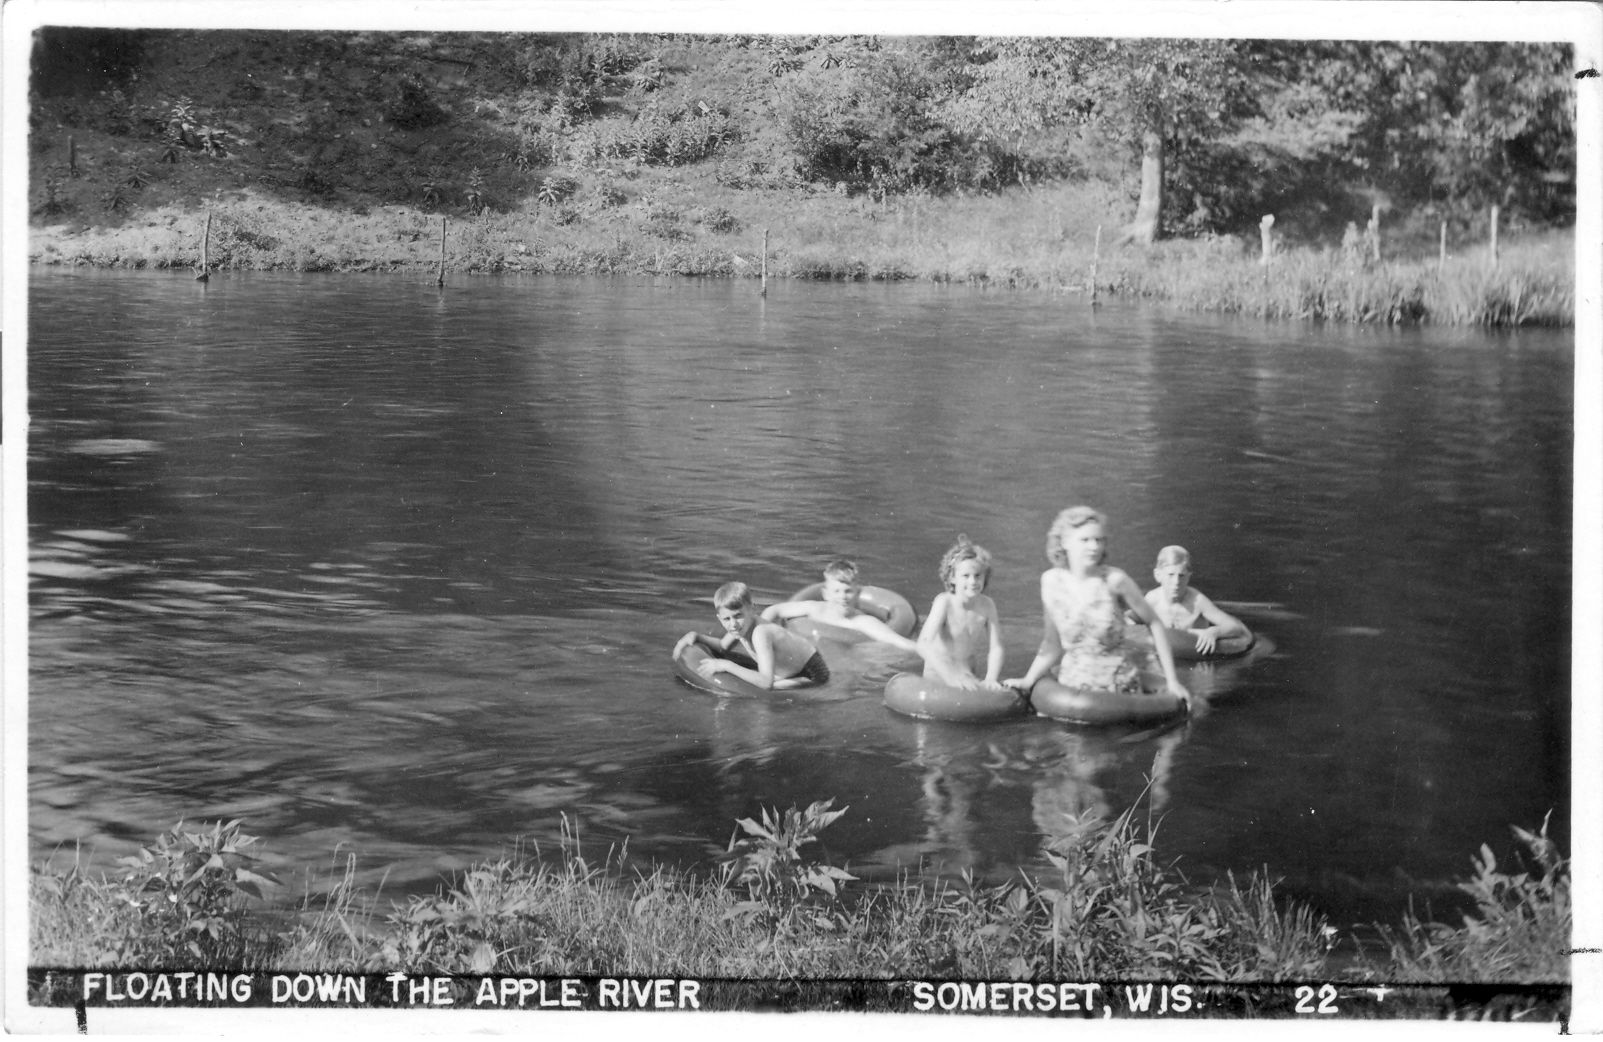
x: 998, y: 161
x: 1230, y: 129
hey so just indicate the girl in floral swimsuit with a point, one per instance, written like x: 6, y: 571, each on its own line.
x: 1083, y: 603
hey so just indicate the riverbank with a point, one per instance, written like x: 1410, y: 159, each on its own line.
x: 196, y: 899
x: 373, y: 152
x: 1013, y: 240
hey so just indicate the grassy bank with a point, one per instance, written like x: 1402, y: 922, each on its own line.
x: 345, y: 153
x: 197, y: 899
x: 1013, y: 240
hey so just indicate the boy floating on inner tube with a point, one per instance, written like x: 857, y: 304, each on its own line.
x: 840, y: 608
x: 961, y: 621
x: 783, y: 660
x: 1180, y: 607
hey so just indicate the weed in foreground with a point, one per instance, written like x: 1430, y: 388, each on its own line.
x: 1108, y: 909
x: 1519, y: 931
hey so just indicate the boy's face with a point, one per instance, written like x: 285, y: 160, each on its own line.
x: 842, y: 593
x: 1173, y: 579
x: 735, y: 619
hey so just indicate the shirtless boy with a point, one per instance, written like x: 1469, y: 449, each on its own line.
x: 840, y: 608
x: 783, y: 660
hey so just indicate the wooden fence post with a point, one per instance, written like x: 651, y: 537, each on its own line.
x: 1441, y: 258
x: 205, y: 251
x: 1374, y: 233
x: 1266, y: 233
x: 1096, y: 255
x: 1492, y: 247
x: 72, y: 156
x: 764, y: 290
x: 440, y: 281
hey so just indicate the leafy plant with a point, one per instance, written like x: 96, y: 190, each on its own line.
x: 1518, y: 932
x: 475, y: 191
x: 768, y: 864
x: 1115, y: 910
x: 190, y: 887
x: 174, y: 141
x: 555, y: 189
x: 718, y: 219
x: 458, y: 931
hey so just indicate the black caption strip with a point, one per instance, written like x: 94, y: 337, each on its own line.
x: 119, y: 989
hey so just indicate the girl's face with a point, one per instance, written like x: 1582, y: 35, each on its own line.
x: 1085, y: 545
x: 1173, y: 579
x: 968, y: 579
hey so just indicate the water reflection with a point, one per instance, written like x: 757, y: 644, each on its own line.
x: 399, y: 570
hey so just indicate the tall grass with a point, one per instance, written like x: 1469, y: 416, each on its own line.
x: 1529, y: 287
x: 1110, y: 910
x: 648, y: 221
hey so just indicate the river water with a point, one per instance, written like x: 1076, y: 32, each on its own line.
x: 392, y: 570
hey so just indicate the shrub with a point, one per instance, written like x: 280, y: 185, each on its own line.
x: 719, y: 220
x: 781, y: 888
x: 188, y: 890
x: 1519, y: 931
x: 413, y: 108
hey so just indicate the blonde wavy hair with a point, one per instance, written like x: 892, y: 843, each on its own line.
x: 1071, y: 518
x: 965, y: 550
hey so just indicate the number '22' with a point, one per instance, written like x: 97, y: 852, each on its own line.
x: 1327, y: 999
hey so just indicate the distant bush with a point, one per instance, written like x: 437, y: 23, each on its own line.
x: 875, y: 126
x: 657, y: 136
x: 719, y: 220
x: 413, y: 108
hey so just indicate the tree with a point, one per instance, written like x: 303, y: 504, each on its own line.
x: 1158, y: 96
x: 1453, y: 125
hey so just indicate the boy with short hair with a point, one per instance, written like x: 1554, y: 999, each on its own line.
x: 779, y: 659
x: 840, y: 608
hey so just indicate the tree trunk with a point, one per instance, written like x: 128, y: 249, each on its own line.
x: 1144, y: 228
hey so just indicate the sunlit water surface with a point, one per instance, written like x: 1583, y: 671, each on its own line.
x: 384, y: 569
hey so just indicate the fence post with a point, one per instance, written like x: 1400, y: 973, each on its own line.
x: 1266, y: 232
x: 72, y: 156
x: 1374, y: 233
x: 205, y: 251
x: 440, y: 280
x: 764, y: 290
x: 1492, y: 248
x: 1096, y: 255
x: 1441, y: 259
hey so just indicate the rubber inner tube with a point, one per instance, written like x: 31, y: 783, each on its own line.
x: 888, y: 606
x: 684, y: 666
x: 1183, y: 643
x: 1102, y: 706
x: 929, y: 699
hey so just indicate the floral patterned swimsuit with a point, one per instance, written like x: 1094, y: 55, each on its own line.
x: 1091, y: 629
